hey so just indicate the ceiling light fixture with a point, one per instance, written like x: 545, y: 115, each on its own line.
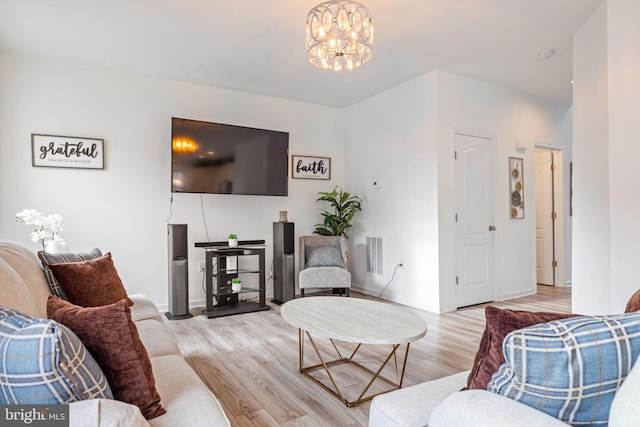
x: 184, y: 146
x: 546, y: 54
x: 339, y: 35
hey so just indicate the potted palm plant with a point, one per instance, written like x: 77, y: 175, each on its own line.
x: 337, y: 221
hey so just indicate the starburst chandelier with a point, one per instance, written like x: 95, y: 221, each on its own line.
x: 339, y: 35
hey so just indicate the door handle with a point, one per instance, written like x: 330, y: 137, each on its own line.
x: 492, y: 228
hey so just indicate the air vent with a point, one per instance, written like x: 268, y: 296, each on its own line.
x: 374, y: 255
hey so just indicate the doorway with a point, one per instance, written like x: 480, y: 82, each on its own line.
x: 549, y: 211
x: 474, y: 219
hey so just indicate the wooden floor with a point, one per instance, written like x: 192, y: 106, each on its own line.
x: 250, y: 361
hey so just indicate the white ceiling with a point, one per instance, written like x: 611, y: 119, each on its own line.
x: 258, y: 46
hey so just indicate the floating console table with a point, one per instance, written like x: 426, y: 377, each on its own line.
x: 222, y: 263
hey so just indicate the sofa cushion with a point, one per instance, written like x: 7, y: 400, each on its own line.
x: 325, y: 277
x: 47, y: 259
x: 570, y: 368
x: 499, y: 322
x: 43, y: 362
x: 105, y: 413
x: 113, y: 339
x: 323, y: 256
x: 90, y: 283
x: 28, y: 268
x: 188, y: 400
x: 412, y: 406
x: 156, y: 338
x: 143, y: 308
x: 13, y: 291
x: 480, y: 408
x: 625, y: 411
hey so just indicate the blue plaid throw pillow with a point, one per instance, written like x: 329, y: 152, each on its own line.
x: 570, y: 368
x: 43, y: 362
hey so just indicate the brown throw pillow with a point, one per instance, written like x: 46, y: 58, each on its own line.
x: 112, y: 339
x: 90, y: 283
x: 47, y: 259
x: 634, y: 303
x: 499, y: 323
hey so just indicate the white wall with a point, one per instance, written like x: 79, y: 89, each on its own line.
x: 623, y: 46
x: 505, y: 115
x: 606, y: 105
x: 392, y: 139
x: 591, y: 233
x: 125, y: 207
x: 403, y: 137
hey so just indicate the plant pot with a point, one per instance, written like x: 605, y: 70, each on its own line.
x: 56, y: 246
x: 235, y: 287
x: 233, y: 243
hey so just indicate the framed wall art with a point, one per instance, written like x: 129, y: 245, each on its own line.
x: 310, y: 167
x: 67, y: 152
x: 516, y: 188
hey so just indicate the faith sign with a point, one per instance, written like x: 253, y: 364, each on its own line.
x: 308, y: 167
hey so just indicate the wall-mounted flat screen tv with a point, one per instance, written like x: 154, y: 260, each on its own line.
x: 226, y: 159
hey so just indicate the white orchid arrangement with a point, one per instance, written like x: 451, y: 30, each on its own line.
x: 47, y: 226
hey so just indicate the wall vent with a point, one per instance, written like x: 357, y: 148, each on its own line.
x: 374, y: 255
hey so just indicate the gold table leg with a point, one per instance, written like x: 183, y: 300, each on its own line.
x: 325, y: 365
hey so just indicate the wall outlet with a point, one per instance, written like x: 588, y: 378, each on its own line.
x: 201, y: 266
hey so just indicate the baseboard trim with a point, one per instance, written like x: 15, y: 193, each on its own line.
x: 513, y: 295
x: 162, y: 308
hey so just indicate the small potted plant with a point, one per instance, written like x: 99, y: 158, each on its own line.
x: 233, y: 240
x: 236, y: 284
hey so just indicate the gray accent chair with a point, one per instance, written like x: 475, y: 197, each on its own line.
x: 323, y: 264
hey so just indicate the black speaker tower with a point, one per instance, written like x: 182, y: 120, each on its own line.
x: 284, y: 278
x: 178, y: 272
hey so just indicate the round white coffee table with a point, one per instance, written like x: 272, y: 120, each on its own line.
x: 358, y: 321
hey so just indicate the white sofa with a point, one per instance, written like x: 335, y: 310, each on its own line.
x: 440, y: 403
x: 185, y: 397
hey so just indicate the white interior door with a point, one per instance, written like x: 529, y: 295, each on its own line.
x: 544, y: 218
x: 474, y: 219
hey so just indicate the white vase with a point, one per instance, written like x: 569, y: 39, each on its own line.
x: 56, y: 246
x: 235, y: 287
x: 233, y: 243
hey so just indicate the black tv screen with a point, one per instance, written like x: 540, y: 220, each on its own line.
x: 225, y: 159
